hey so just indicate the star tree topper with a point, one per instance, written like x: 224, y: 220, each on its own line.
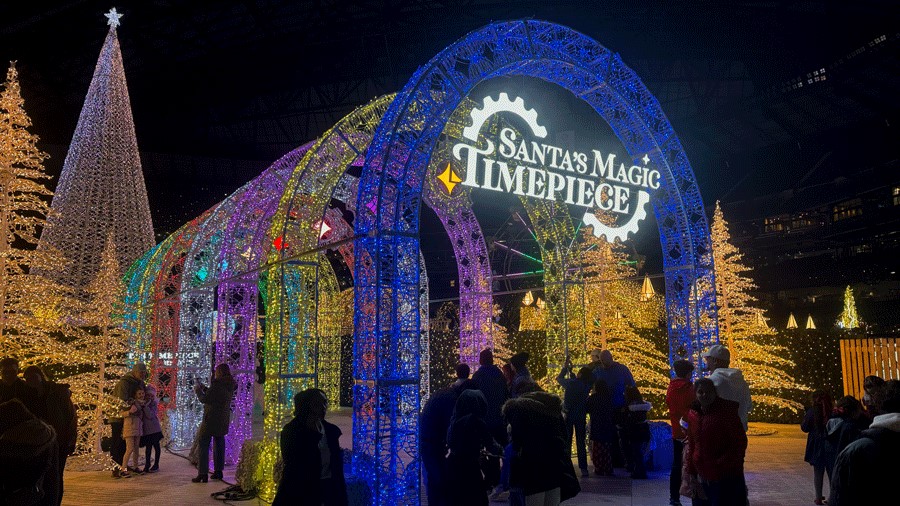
x: 113, y: 18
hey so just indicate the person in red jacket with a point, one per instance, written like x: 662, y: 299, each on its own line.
x: 679, y: 397
x: 716, y: 445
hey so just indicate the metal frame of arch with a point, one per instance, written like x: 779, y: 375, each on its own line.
x: 386, y: 360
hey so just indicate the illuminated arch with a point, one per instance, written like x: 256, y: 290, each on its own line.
x: 386, y: 361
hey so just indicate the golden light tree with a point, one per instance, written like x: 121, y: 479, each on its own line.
x: 743, y: 329
x: 32, y: 307
x: 616, y: 313
x: 849, y: 318
x: 105, y: 336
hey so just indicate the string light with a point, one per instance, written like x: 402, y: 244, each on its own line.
x: 744, y: 330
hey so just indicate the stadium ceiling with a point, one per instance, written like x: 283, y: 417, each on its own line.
x: 254, y: 79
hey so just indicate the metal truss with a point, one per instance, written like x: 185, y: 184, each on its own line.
x: 387, y: 224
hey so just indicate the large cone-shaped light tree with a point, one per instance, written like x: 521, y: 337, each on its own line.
x: 101, y: 189
x: 741, y: 329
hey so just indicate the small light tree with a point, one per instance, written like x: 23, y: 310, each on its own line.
x: 849, y: 318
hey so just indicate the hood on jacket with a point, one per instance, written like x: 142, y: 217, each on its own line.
x: 678, y: 384
x: 640, y: 406
x: 889, y: 421
x: 470, y: 402
x: 727, y: 373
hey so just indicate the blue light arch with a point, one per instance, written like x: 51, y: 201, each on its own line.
x: 386, y: 359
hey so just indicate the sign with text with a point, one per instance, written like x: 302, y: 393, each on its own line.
x: 521, y: 164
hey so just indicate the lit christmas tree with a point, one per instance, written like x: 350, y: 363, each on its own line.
x: 109, y: 343
x: 101, y: 189
x: 743, y: 330
x: 618, y: 313
x: 849, y: 319
x: 31, y: 306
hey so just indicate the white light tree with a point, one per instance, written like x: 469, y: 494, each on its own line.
x: 743, y: 329
x: 849, y: 318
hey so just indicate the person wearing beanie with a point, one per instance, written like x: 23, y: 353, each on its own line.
x: 491, y: 382
x: 522, y: 381
x: 730, y: 382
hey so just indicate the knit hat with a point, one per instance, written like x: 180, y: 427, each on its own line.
x: 519, y: 359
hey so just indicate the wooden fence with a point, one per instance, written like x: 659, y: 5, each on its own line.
x: 863, y: 357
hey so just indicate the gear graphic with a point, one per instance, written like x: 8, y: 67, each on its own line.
x: 502, y: 104
x: 620, y: 233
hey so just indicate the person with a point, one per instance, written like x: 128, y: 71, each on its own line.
x: 729, y: 381
x: 152, y: 429
x: 603, y: 428
x: 490, y: 381
x: 817, y: 453
x: 216, y: 399
x: 462, y: 373
x: 844, y: 427
x: 28, y: 458
x: 866, y: 468
x: 313, y: 459
x: 467, y: 437
x: 508, y: 374
x: 595, y: 359
x: 537, y: 437
x: 576, y: 389
x: 434, y: 421
x: 132, y: 428
x: 125, y: 389
x: 679, y: 396
x: 13, y: 387
x: 617, y: 376
x: 871, y: 384
x: 637, y: 431
x: 54, y: 405
x: 522, y: 381
x: 716, y: 446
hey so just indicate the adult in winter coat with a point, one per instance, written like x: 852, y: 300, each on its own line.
x: 492, y: 383
x: 467, y: 437
x: 12, y: 386
x: 433, y: 424
x: 313, y: 459
x: 817, y: 450
x: 679, y: 397
x: 637, y: 431
x: 866, y: 470
x: 844, y: 427
x: 603, y: 428
x: 126, y: 388
x: 617, y: 376
x: 216, y: 399
x: 28, y: 458
x: 576, y: 390
x: 539, y: 457
x: 717, y: 445
x: 730, y: 382
x: 53, y: 404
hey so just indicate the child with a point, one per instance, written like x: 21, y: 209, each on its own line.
x: 152, y: 430
x: 638, y: 431
x: 131, y: 432
x: 603, y: 430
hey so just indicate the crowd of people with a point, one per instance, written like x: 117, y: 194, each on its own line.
x: 854, y: 442
x: 494, y: 436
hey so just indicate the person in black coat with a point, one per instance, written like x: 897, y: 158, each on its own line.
x: 216, y: 399
x: 434, y: 421
x: 313, y: 459
x: 28, y: 458
x: 55, y: 406
x: 467, y: 437
x: 492, y: 383
x: 12, y: 386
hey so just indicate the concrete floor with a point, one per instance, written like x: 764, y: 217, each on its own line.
x: 775, y: 470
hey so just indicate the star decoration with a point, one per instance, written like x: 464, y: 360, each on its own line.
x: 646, y: 159
x: 449, y: 178
x: 113, y: 17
